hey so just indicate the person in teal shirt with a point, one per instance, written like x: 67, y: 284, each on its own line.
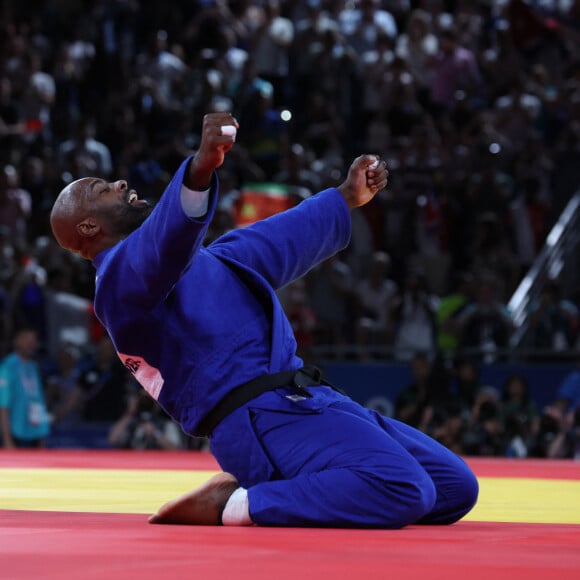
x: 24, y: 420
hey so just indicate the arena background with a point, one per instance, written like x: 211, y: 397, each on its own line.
x: 474, y: 106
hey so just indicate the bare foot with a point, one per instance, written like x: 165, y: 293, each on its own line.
x: 202, y: 506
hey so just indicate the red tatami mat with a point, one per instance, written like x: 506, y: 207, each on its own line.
x: 48, y: 545
x: 52, y: 545
x: 105, y: 459
x: 537, y: 468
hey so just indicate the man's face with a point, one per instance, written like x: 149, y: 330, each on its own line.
x: 118, y: 206
x: 91, y: 214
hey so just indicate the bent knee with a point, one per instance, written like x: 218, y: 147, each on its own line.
x: 417, y: 502
x: 457, y: 499
x: 407, y: 502
x: 468, y: 493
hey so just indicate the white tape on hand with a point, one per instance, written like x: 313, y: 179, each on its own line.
x: 229, y: 130
x: 374, y: 164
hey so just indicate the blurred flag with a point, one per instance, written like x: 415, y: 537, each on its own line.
x: 261, y: 200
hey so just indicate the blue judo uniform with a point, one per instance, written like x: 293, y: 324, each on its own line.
x: 193, y: 322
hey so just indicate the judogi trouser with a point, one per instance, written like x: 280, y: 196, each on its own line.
x: 328, y: 461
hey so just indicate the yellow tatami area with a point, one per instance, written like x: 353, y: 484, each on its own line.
x: 519, y: 500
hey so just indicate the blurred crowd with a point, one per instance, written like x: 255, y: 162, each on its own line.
x: 475, y: 105
x: 472, y: 418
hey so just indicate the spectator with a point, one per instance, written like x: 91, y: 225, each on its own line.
x: 249, y: 87
x: 464, y: 383
x: 15, y: 206
x: 484, y: 436
x: 518, y: 111
x: 24, y: 420
x: 83, y: 154
x: 266, y: 138
x: 364, y: 242
x: 271, y: 41
x: 301, y: 316
x: 68, y: 317
x: 12, y: 126
x: 144, y: 425
x: 454, y: 68
x: 418, y: 46
x: 414, y: 317
x: 363, y: 25
x: 158, y: 61
x: 492, y: 253
x: 556, y: 438
x: 143, y: 170
x: 419, y: 401
x: 9, y: 261
x: 519, y: 415
x: 308, y: 37
x: 568, y: 396
x: 486, y: 325
x: 104, y: 385
x: 38, y: 95
x: 330, y: 290
x: 29, y: 298
x: 328, y: 107
x: 449, y: 311
x: 62, y: 393
x: 404, y: 114
x: 296, y: 172
x: 374, y: 295
x: 552, y: 323
x: 448, y: 426
x: 5, y: 322
x: 529, y: 216
x: 38, y: 181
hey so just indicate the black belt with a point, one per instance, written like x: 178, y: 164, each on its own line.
x: 308, y: 376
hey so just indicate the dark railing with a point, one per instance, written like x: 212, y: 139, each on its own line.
x: 558, y: 259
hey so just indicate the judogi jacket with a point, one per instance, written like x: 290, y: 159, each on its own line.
x: 192, y: 322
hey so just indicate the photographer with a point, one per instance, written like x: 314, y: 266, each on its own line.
x: 145, y: 426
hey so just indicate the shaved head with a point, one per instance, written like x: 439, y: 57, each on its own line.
x: 91, y: 215
x: 67, y: 212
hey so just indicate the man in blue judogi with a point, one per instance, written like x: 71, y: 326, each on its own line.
x: 202, y: 330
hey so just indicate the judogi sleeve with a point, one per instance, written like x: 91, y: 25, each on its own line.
x: 285, y: 246
x: 144, y: 267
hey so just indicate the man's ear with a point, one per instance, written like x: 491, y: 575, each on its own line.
x: 88, y: 228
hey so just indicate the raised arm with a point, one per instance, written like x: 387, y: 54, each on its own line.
x: 285, y: 246
x: 367, y: 175
x: 217, y: 138
x: 145, y: 266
